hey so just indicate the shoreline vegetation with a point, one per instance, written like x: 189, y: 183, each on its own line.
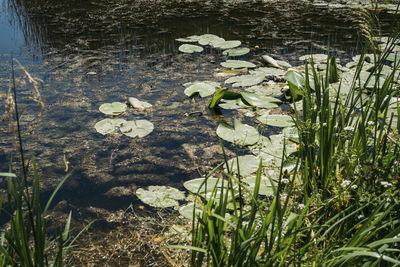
x: 322, y: 191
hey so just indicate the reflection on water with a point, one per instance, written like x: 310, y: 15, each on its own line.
x: 94, y: 52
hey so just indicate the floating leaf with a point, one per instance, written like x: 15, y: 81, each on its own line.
x: 241, y: 134
x: 108, y: 126
x: 115, y: 108
x: 160, y: 196
x: 227, y: 44
x: 233, y: 104
x: 273, y: 89
x: 296, y: 82
x: 189, y: 48
x: 203, y: 88
x: 203, y: 185
x: 276, y: 120
x: 136, y: 103
x: 291, y: 133
x: 248, y: 164
x: 139, y: 128
x: 270, y: 61
x: 189, y: 39
x: 209, y: 39
x: 246, y: 80
x: 187, y: 211
x: 235, y: 52
x: 315, y: 57
x: 271, y: 73
x: 260, y: 101
x: 237, y: 64
x: 265, y: 188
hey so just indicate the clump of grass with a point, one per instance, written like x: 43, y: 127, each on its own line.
x: 340, y: 204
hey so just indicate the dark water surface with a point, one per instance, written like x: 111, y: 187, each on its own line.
x: 86, y: 53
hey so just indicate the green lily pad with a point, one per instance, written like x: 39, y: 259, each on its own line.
x: 160, y: 196
x: 187, y: 211
x: 291, y: 133
x: 108, y: 126
x: 189, y: 39
x: 269, y: 89
x: 315, y: 57
x: 270, y: 61
x: 237, y: 64
x: 233, y: 104
x: 296, y: 82
x: 246, y: 80
x: 227, y: 44
x: 189, y: 48
x: 115, y: 108
x: 265, y: 188
x: 204, y: 89
x: 276, y: 120
x: 236, y: 52
x: 260, y: 101
x: 271, y: 73
x: 210, y: 39
x: 248, y: 164
x: 241, y: 134
x: 203, y: 185
x: 140, y: 105
x: 138, y: 128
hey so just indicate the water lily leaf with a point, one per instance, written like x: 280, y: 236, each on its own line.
x: 248, y: 164
x: 237, y: 64
x: 316, y: 58
x: 265, y: 188
x: 160, y: 196
x: 227, y: 44
x: 260, y: 101
x: 235, y: 52
x: 271, y: 149
x: 139, y: 128
x: 187, y: 211
x: 271, y: 73
x: 291, y: 133
x: 203, y: 185
x: 269, y: 89
x: 136, y: 103
x: 246, y: 80
x: 189, y: 48
x: 204, y: 89
x: 233, y: 104
x: 296, y: 83
x: 115, y: 108
x: 108, y: 126
x: 210, y: 39
x: 276, y: 120
x: 270, y: 61
x: 189, y: 39
x: 241, y: 134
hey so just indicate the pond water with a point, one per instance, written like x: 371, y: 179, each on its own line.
x: 86, y: 53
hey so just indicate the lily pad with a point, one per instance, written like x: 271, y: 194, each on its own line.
x: 233, y: 104
x: 291, y: 133
x: 276, y: 120
x: 138, y: 128
x: 227, y: 44
x: 108, y: 126
x: 237, y: 64
x: 269, y: 89
x: 270, y: 61
x: 246, y: 80
x: 115, y: 108
x: 271, y: 73
x: 189, y: 48
x: 160, y: 196
x: 204, y: 89
x: 210, y: 39
x: 187, y: 211
x: 248, y: 164
x: 140, y: 105
x: 236, y: 52
x: 265, y: 188
x: 260, y: 101
x: 241, y: 134
x: 189, y: 39
x: 315, y: 57
x: 203, y: 185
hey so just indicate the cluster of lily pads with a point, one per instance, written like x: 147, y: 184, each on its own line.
x: 255, y: 91
x: 134, y: 128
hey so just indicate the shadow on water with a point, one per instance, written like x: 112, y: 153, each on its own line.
x: 93, y: 52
